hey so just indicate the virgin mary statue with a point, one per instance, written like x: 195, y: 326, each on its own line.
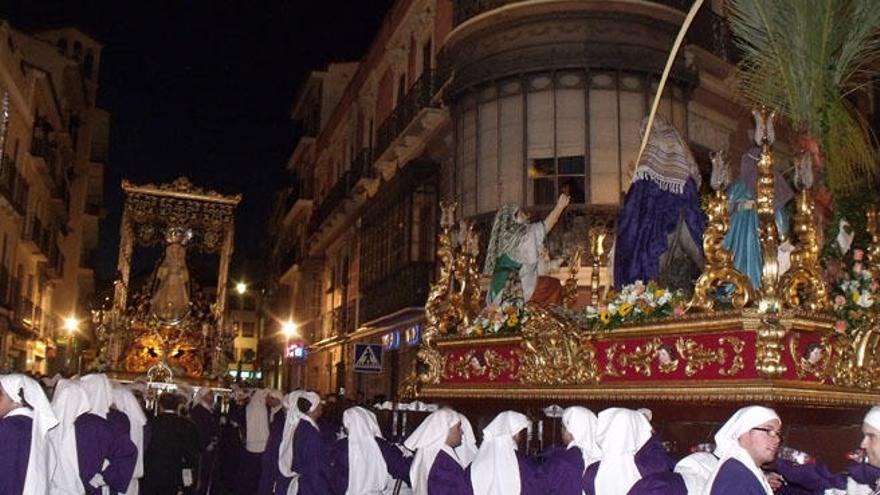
x: 170, y: 301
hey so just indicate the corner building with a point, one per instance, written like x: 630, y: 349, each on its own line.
x: 483, y: 103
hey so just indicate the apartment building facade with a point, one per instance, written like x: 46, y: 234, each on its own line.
x: 54, y: 147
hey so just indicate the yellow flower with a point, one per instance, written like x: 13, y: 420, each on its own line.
x: 605, y: 316
x: 625, y: 309
x: 659, y: 293
x: 856, y: 296
x: 512, y: 321
x: 478, y: 330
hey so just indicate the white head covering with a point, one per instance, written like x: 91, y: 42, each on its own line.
x: 128, y: 404
x: 100, y: 393
x: 495, y: 470
x: 367, y: 471
x: 294, y: 416
x: 69, y: 402
x: 271, y: 392
x: 873, y: 417
x: 467, y: 451
x: 582, y: 424
x: 695, y: 470
x: 257, y: 417
x: 727, y: 442
x: 427, y: 441
x: 21, y: 388
x: 621, y: 433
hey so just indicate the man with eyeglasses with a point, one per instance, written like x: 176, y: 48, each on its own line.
x: 748, y: 440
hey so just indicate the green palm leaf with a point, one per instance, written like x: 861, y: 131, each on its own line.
x: 805, y: 58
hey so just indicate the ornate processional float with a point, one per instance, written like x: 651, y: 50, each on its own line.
x: 170, y: 328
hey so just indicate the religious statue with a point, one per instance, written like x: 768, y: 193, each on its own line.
x: 516, y: 247
x: 170, y: 300
x: 742, y: 236
x: 660, y: 230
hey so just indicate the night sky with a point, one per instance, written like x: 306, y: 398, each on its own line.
x: 204, y: 89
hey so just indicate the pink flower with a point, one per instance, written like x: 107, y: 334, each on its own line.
x: 858, y: 267
x: 678, y: 311
x: 840, y: 326
x: 874, y: 286
x: 858, y: 254
x: 640, y: 289
x: 839, y: 301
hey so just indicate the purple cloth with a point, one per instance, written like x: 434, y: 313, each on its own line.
x: 15, y: 436
x: 173, y: 445
x: 249, y: 471
x: 864, y: 474
x: 661, y: 483
x: 119, y: 423
x: 590, y: 478
x: 448, y: 478
x: 563, y: 471
x: 735, y: 479
x: 310, y: 460
x: 337, y: 473
x: 231, y: 431
x: 807, y: 478
x: 271, y: 480
x: 531, y: 481
x: 650, y: 459
x: 648, y: 216
x: 98, y: 440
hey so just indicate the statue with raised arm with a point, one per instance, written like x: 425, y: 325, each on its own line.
x: 660, y: 230
x: 170, y: 299
x: 516, y: 248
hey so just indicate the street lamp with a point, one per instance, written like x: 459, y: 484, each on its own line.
x: 289, y: 329
x: 241, y: 288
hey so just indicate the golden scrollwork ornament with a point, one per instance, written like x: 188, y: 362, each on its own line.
x: 764, y: 201
x: 768, y: 348
x: 719, y: 269
x: 554, y: 353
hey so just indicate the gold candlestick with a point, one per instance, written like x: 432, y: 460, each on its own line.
x: 805, y: 271
x: 767, y: 232
x: 597, y: 250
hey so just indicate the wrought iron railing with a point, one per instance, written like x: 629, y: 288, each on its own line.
x: 407, y: 287
x: 362, y: 166
x: 11, y: 183
x: 334, y: 197
x: 419, y: 97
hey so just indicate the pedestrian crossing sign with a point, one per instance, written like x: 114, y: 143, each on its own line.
x: 367, y: 358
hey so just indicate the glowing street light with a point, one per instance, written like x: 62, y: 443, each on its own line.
x: 241, y: 288
x: 289, y: 328
x: 71, y: 324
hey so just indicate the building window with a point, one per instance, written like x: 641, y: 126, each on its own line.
x: 528, y: 139
x: 248, y: 329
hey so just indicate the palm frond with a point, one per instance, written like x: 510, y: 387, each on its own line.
x: 804, y: 57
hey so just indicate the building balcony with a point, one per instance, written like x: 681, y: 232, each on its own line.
x: 338, y: 322
x: 11, y: 182
x: 408, y: 287
x: 709, y: 30
x: 300, y: 199
x: 414, y: 119
x: 36, y: 239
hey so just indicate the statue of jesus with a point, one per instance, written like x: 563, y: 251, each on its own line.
x: 170, y: 301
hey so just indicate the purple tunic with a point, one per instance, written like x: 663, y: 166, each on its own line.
x: 271, y: 480
x: 229, y: 450
x: 651, y: 458
x: 649, y: 215
x: 310, y: 460
x: 15, y: 436
x: 531, y: 481
x: 563, y: 471
x: 96, y: 441
x: 448, y: 478
x: 735, y: 479
x: 662, y: 483
x: 398, y: 465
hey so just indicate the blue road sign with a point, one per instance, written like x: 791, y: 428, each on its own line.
x: 367, y: 358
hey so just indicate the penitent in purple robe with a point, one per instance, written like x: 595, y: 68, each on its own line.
x: 271, y: 479
x: 208, y: 427
x: 662, y: 483
x: 97, y: 441
x: 810, y: 479
x: 310, y: 460
x: 563, y: 471
x: 735, y: 479
x: 230, y: 445
x: 15, y: 436
x: 447, y: 477
x: 337, y: 474
x: 651, y: 458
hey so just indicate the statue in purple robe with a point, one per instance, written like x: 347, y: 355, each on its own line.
x: 661, y: 224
